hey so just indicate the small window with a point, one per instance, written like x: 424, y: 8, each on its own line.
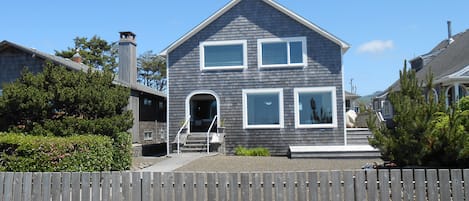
x: 315, y: 107
x: 147, y: 102
x: 282, y: 52
x: 148, y: 135
x: 220, y: 55
x: 262, y: 108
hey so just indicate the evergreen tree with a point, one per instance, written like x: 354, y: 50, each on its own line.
x: 95, y: 52
x: 152, y: 70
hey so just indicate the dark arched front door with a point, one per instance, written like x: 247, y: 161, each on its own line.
x: 203, y: 108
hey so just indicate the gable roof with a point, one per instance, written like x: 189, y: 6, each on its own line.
x: 344, y: 46
x: 448, y: 62
x: 69, y: 64
x: 56, y: 59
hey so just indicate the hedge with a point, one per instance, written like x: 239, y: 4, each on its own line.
x: 258, y: 151
x: 27, y: 153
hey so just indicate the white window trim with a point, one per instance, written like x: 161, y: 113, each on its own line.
x: 297, y: 91
x: 151, y: 136
x: 263, y: 91
x: 287, y: 40
x: 221, y: 43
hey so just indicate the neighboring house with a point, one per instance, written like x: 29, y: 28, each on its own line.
x: 273, y: 78
x: 148, y: 106
x: 448, y: 62
x: 351, y: 102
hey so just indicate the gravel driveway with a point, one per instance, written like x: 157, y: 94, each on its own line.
x: 221, y: 163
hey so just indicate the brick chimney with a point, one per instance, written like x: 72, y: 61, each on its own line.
x: 127, y: 58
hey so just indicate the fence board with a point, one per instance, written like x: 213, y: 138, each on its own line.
x: 360, y: 186
x: 85, y: 186
x: 245, y: 186
x: 200, y: 186
x: 384, y: 193
x: 136, y: 186
x: 211, y: 186
x: 372, y: 184
x: 279, y: 186
x: 46, y: 183
x: 408, y: 185
x: 301, y: 190
x: 17, y: 186
x: 27, y: 185
x: 157, y: 192
x: 233, y: 186
x: 456, y: 184
x: 336, y: 191
x: 55, y: 190
x: 2, y: 179
x: 349, y: 187
x: 432, y: 185
x: 178, y: 186
x: 106, y: 186
x: 37, y: 186
x: 189, y: 188
x: 267, y: 186
x: 96, y: 186
x: 324, y: 187
x: 420, y: 190
x: 256, y: 186
x: 115, y: 185
x: 290, y: 185
x: 126, y: 189
x: 8, y: 186
x: 146, y: 186
x: 396, y: 187
x: 168, y: 186
x: 65, y: 186
x: 313, y: 186
x: 222, y: 186
x: 445, y: 192
x: 466, y: 184
x: 76, y: 186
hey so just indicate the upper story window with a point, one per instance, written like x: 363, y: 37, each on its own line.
x: 315, y: 107
x: 221, y: 55
x: 282, y: 52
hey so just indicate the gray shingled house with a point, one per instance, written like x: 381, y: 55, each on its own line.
x: 266, y: 75
x: 448, y: 61
x: 148, y: 105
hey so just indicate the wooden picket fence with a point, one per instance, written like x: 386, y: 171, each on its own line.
x: 396, y: 184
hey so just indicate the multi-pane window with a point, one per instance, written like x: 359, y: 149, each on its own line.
x: 282, y: 52
x: 315, y: 107
x: 148, y: 135
x: 219, y: 55
x: 263, y: 108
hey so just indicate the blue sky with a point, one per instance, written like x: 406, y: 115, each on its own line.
x: 382, y: 33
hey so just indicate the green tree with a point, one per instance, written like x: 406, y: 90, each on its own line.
x: 95, y: 52
x: 413, y: 115
x: 152, y: 70
x: 56, y: 99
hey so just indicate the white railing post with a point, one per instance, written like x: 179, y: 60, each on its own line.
x: 208, y: 133
x: 179, y: 133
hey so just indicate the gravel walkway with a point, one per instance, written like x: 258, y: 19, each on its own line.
x: 221, y: 163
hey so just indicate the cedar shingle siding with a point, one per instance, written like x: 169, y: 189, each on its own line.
x: 253, y: 20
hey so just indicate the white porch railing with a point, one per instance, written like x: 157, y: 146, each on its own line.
x: 208, y: 133
x: 180, y: 130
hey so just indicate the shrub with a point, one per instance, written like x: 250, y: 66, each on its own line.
x: 258, y: 151
x: 122, y: 153
x: 51, y: 154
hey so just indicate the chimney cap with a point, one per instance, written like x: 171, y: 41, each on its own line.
x: 127, y: 35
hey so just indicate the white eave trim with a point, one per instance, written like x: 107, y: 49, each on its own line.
x: 344, y: 46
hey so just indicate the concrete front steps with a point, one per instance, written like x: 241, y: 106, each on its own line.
x: 357, y: 147
x: 195, y: 142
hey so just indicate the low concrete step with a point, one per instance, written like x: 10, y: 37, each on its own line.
x: 352, y: 151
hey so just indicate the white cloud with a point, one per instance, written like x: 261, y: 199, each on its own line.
x: 376, y: 46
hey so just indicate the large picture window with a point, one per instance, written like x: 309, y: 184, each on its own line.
x: 219, y: 55
x: 315, y: 107
x: 282, y: 52
x: 263, y: 108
